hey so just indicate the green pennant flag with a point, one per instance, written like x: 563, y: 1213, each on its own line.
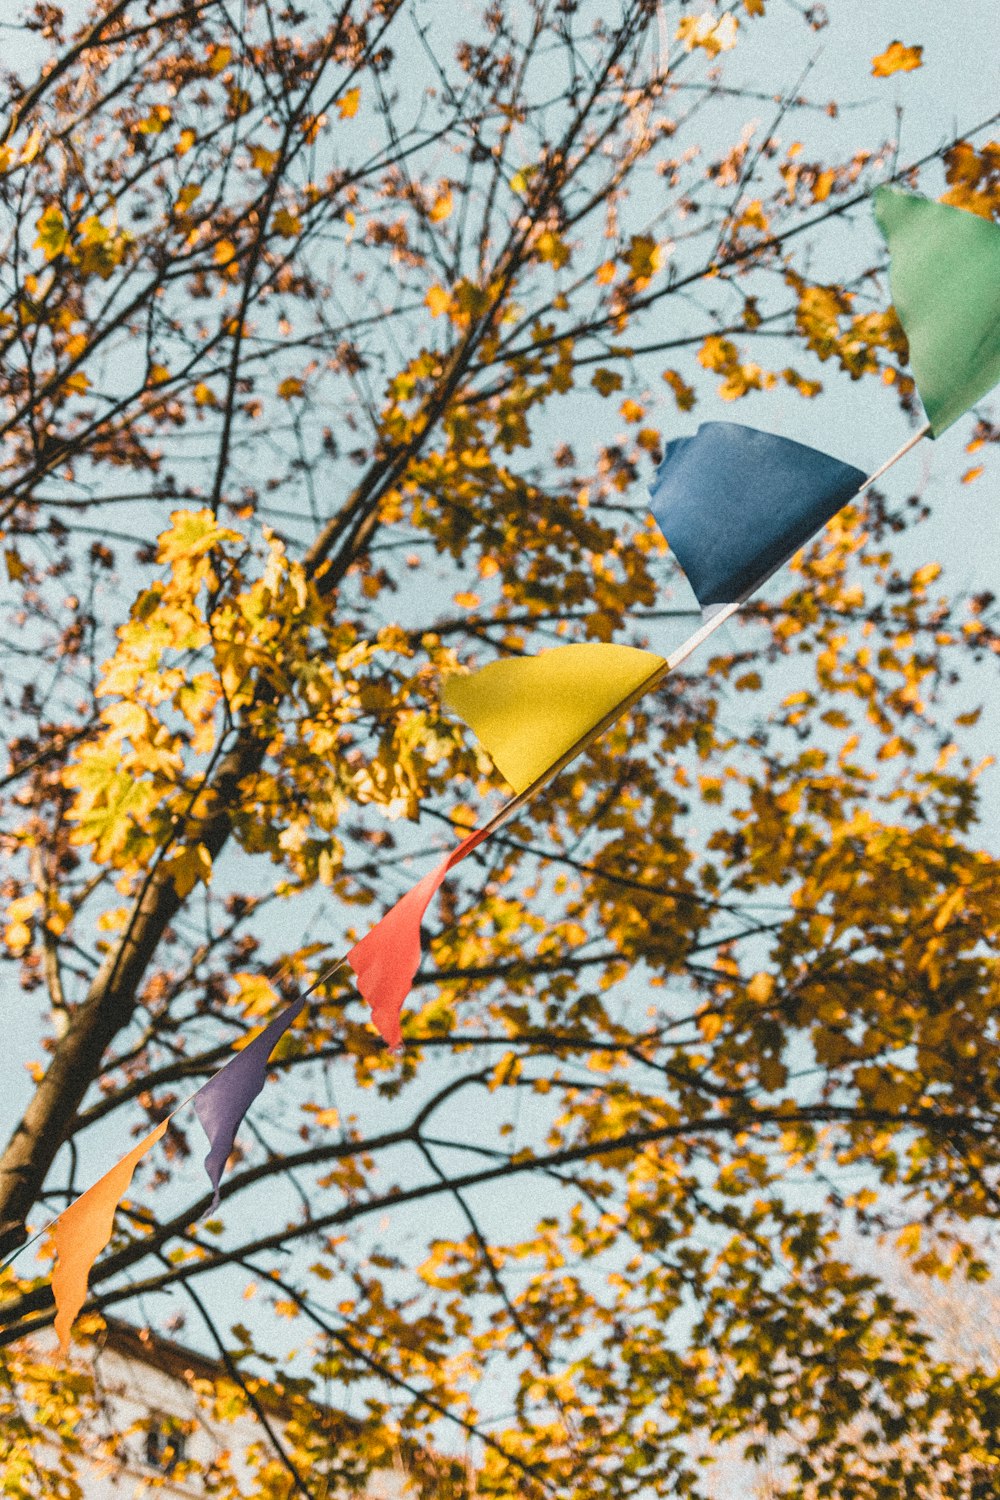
x: 944, y: 269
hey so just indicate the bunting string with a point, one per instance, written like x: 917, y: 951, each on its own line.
x: 735, y: 506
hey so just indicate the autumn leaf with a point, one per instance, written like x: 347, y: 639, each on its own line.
x: 552, y: 248
x: 53, y: 233
x: 347, y: 104
x: 441, y: 207
x: 438, y: 300
x: 263, y: 159
x: 188, y: 195
x: 684, y: 394
x: 606, y: 382
x: 645, y: 258
x: 897, y: 58
x: 822, y: 185
x: 286, y: 223
x: 704, y: 31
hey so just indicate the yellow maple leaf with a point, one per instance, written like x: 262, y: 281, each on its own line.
x: 53, y: 233
x: 438, y: 300
x: 552, y: 248
x: 348, y: 106
x: 263, y: 159
x: 897, y: 59
x: 645, y: 258
x: 186, y: 868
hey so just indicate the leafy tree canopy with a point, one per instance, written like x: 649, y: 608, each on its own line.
x: 297, y: 305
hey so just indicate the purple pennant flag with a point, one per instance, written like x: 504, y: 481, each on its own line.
x: 225, y: 1099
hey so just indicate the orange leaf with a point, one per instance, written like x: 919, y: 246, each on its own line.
x: 348, y: 106
x: 438, y: 300
x: 897, y: 59
x: 821, y: 187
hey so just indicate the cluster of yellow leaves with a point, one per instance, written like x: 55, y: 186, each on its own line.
x: 722, y: 357
x: 825, y: 318
x: 95, y: 247
x: 11, y: 156
x: 201, y: 642
x: 705, y: 31
x: 130, y: 779
x: 974, y: 179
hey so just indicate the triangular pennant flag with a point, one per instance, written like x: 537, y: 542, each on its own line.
x: 386, y: 960
x: 225, y: 1098
x: 944, y: 269
x: 735, y: 503
x: 528, y: 711
x: 81, y: 1232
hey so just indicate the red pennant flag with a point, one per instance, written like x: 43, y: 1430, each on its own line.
x: 387, y: 958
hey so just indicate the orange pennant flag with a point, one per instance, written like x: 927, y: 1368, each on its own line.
x: 387, y: 958
x: 81, y: 1232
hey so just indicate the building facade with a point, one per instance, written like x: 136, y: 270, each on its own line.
x: 153, y: 1433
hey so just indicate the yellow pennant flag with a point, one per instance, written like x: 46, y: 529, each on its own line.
x: 528, y: 711
x: 81, y: 1232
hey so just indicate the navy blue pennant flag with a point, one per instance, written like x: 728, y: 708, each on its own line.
x: 735, y: 503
